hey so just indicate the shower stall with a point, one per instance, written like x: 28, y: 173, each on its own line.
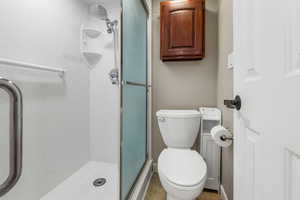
x: 75, y: 99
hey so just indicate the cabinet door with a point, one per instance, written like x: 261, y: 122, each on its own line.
x: 182, y: 30
x: 211, y: 153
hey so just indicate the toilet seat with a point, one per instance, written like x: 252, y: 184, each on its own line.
x: 182, y: 167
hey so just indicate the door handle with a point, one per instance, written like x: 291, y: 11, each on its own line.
x: 15, y: 135
x: 236, y: 103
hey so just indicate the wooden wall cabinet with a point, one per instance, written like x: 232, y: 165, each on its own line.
x: 182, y: 33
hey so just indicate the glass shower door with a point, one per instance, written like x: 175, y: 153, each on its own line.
x: 134, y: 93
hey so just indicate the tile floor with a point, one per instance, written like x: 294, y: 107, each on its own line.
x: 156, y: 192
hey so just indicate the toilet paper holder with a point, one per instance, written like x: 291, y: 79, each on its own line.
x: 225, y: 138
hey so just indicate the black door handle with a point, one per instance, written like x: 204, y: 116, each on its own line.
x: 236, y: 103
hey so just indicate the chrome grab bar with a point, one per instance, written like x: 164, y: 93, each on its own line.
x: 15, y: 135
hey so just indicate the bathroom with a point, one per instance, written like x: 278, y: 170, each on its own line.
x: 148, y: 100
x: 72, y: 122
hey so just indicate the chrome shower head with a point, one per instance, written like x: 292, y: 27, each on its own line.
x: 98, y: 11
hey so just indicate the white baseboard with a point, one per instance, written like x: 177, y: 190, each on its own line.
x: 223, y: 193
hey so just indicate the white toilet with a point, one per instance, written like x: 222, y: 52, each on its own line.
x: 182, y: 171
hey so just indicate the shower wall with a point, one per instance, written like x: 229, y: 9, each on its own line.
x: 105, y: 97
x: 56, y: 112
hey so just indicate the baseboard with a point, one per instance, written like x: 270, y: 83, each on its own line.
x: 143, y: 182
x: 223, y: 193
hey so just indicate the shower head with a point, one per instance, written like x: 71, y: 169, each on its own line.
x: 98, y: 11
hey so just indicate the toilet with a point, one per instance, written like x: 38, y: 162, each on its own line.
x: 182, y: 171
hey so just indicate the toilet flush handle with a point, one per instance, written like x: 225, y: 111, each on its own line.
x: 161, y: 119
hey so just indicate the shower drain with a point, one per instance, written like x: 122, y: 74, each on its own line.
x: 99, y: 182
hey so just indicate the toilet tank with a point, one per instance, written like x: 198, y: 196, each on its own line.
x: 179, y: 128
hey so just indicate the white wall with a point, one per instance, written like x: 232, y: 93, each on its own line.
x: 105, y: 98
x: 56, y: 113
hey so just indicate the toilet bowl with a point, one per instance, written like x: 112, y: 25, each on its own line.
x: 182, y: 171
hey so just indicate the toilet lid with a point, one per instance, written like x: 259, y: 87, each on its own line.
x: 182, y: 167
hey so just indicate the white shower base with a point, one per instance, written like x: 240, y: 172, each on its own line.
x: 80, y: 185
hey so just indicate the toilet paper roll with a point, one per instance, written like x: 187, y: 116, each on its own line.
x: 217, y: 132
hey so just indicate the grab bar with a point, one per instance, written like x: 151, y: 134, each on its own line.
x: 15, y: 135
x: 61, y: 72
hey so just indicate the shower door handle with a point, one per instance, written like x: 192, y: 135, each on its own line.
x: 135, y: 84
x: 15, y: 135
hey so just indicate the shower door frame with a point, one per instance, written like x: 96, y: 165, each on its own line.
x: 148, y: 8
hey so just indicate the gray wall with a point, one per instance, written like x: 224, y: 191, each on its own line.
x: 225, y: 87
x: 183, y: 85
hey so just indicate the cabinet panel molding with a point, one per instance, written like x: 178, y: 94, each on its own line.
x: 182, y: 30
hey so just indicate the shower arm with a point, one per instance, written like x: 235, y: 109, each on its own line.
x: 111, y: 25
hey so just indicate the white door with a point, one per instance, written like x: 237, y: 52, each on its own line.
x: 267, y: 78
